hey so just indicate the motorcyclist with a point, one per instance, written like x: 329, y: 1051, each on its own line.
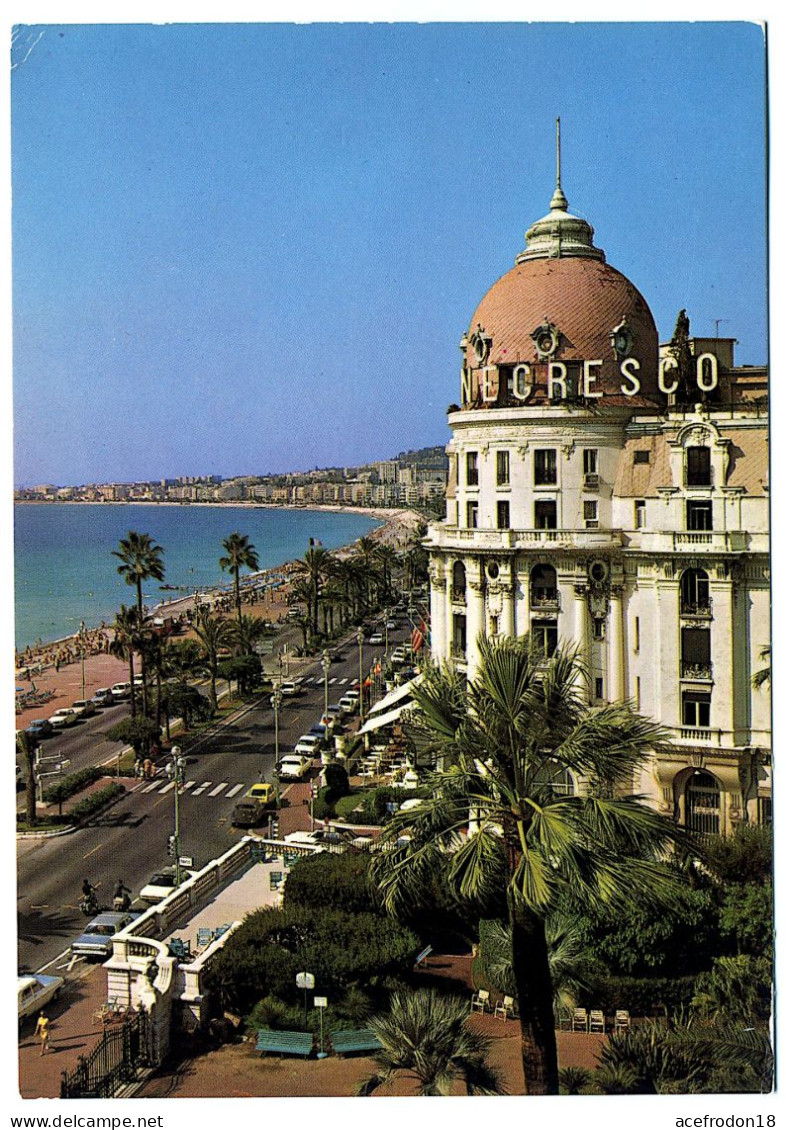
x: 122, y: 896
x: 89, y: 903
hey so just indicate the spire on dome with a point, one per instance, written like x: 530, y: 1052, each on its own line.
x: 558, y: 201
x: 559, y: 235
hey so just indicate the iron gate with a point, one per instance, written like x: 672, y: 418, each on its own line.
x: 115, y: 1060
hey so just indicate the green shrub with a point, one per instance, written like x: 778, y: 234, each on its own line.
x: 327, y: 879
x: 641, y: 996
x: 345, y: 808
x: 263, y: 956
x: 72, y: 783
x: 271, y: 1012
x: 94, y: 802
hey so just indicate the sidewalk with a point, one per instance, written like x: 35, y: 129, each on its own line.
x: 73, y: 1033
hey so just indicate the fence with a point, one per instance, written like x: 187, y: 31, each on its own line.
x: 116, y: 1059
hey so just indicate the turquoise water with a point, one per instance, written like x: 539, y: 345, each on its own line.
x: 65, y: 571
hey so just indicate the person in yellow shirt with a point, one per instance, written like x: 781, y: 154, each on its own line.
x: 42, y: 1031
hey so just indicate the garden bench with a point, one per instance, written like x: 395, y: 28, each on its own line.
x: 354, y: 1040
x: 284, y: 1043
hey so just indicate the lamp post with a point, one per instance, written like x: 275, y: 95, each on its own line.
x: 82, y: 631
x: 326, y: 668
x: 360, y: 671
x: 276, y: 699
x: 174, y: 770
x: 387, y: 618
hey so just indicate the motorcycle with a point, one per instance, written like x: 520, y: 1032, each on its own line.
x: 121, y: 903
x: 89, y: 905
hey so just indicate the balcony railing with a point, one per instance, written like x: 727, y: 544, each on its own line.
x: 697, y: 611
x: 700, y: 734
x: 514, y: 539
x: 458, y: 651
x: 544, y: 600
x: 699, y: 672
x: 458, y: 594
x: 591, y: 481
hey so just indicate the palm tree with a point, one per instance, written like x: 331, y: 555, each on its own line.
x: 212, y: 633
x: 141, y: 560
x: 510, y: 751
x: 240, y: 554
x: 244, y: 634
x: 27, y: 747
x: 761, y: 678
x: 425, y: 1035
x: 314, y: 570
x: 126, y: 639
x: 365, y: 556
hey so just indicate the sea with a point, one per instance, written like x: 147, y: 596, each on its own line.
x: 65, y: 572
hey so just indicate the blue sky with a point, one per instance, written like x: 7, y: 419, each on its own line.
x: 241, y: 248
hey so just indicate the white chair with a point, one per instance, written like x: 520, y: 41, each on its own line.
x: 580, y: 1020
x: 621, y: 1020
x: 597, y: 1021
x: 504, y: 1009
x: 480, y: 1001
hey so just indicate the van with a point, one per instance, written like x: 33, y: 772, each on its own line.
x: 121, y: 690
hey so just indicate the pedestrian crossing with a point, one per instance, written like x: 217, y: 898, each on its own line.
x: 224, y: 789
x: 317, y: 680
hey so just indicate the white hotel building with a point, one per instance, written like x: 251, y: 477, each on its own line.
x: 601, y: 494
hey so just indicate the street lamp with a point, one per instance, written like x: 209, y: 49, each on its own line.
x: 360, y: 670
x: 326, y: 669
x: 387, y: 618
x: 82, y: 631
x: 174, y: 770
x: 275, y: 701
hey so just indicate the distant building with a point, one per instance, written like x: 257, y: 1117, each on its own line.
x: 612, y: 492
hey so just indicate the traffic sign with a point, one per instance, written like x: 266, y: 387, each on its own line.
x: 186, y: 861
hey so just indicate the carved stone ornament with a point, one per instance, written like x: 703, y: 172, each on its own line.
x: 481, y: 343
x: 546, y: 337
x: 622, y: 339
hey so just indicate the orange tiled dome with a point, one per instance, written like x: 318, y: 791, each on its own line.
x: 584, y: 299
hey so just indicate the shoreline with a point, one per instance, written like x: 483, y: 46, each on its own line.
x: 380, y: 512
x: 394, y: 522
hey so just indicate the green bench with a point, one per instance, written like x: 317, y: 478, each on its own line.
x: 354, y: 1040
x: 284, y: 1043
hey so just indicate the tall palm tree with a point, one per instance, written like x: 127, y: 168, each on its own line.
x: 27, y: 747
x: 240, y: 554
x: 365, y: 556
x: 503, y: 818
x: 125, y: 641
x: 425, y: 1035
x: 212, y: 633
x: 243, y: 635
x: 314, y: 570
x: 140, y: 560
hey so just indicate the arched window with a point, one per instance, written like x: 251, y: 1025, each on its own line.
x: 543, y: 587
x: 702, y: 804
x: 555, y: 780
x: 459, y: 581
x: 695, y: 593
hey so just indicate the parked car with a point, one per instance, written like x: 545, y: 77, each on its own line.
x: 96, y: 939
x: 39, y: 728
x: 103, y: 697
x: 348, y: 705
x: 294, y: 765
x: 376, y: 639
x: 254, y: 805
x: 162, y: 884
x: 290, y: 688
x: 65, y: 716
x: 83, y: 707
x: 121, y: 690
x: 308, y: 745
x: 304, y: 839
x: 34, y: 993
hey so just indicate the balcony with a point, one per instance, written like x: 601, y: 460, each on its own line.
x: 458, y: 651
x: 591, y: 482
x: 696, y: 611
x: 454, y: 537
x: 699, y: 541
x: 458, y: 594
x: 697, y: 672
x: 702, y: 734
x: 544, y: 600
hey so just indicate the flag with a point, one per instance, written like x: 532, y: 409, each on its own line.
x: 417, y: 639
x: 378, y: 669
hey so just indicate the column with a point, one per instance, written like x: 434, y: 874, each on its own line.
x: 664, y: 668
x: 508, y: 621
x: 722, y: 708
x: 439, y: 646
x: 580, y: 635
x: 616, y: 653
x: 476, y: 615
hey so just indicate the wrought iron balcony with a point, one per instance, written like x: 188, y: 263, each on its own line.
x: 458, y: 594
x: 697, y: 610
x: 698, y: 672
x: 544, y: 600
x: 458, y: 651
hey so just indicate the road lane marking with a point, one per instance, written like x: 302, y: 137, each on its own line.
x: 331, y: 681
x: 202, y: 787
x: 93, y: 851
x: 188, y: 785
x: 235, y: 790
x: 342, y: 681
x: 149, y: 788
x: 166, y: 788
x: 218, y: 788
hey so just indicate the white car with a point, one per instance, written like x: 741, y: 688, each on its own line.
x: 162, y: 884
x: 65, y: 716
x: 290, y: 688
x: 121, y: 690
x: 35, y: 992
x: 294, y: 766
x: 304, y: 839
x: 308, y: 746
x: 348, y: 705
x: 83, y: 708
x: 376, y: 639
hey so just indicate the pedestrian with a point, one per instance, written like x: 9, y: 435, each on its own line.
x: 42, y: 1031
x: 138, y: 767
x: 147, y: 767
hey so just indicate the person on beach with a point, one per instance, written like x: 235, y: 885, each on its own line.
x: 42, y: 1031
